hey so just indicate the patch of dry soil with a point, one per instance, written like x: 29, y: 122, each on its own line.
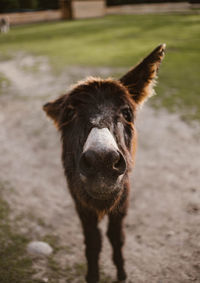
x: 163, y: 224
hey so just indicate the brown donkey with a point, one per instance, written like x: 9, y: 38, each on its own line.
x: 96, y: 121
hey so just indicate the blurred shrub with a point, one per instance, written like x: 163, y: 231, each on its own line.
x: 6, y: 5
x: 194, y: 1
x: 124, y: 2
x: 48, y: 4
x: 22, y: 5
x: 28, y: 4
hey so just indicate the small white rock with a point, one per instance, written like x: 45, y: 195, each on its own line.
x: 39, y: 248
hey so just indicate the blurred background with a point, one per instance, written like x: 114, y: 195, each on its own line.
x: 45, y: 47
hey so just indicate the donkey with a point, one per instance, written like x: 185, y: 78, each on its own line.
x: 96, y: 121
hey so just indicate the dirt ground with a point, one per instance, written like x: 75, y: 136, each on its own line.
x: 163, y: 224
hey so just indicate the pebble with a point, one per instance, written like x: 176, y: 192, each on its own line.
x: 39, y: 248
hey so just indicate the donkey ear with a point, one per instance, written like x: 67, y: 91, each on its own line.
x: 141, y: 79
x: 53, y: 109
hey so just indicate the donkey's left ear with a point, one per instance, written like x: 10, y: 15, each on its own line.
x: 141, y: 79
x: 53, y: 109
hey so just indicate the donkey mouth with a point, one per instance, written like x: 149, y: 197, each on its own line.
x: 103, y: 196
x: 102, y: 189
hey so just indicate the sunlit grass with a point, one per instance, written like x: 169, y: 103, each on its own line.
x: 122, y: 41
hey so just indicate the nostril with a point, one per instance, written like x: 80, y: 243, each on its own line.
x: 120, y: 164
x: 86, y: 163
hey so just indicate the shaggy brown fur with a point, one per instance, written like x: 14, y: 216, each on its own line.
x: 98, y: 176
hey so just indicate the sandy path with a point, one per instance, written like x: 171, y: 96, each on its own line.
x: 163, y: 234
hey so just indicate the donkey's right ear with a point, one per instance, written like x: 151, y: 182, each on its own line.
x: 53, y: 108
x: 141, y: 79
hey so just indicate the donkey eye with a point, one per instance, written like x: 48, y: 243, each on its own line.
x: 70, y: 113
x: 127, y: 114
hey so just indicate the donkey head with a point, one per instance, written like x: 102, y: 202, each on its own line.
x: 96, y: 120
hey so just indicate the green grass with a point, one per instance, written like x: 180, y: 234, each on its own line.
x: 122, y: 41
x: 4, y: 83
x: 15, y: 265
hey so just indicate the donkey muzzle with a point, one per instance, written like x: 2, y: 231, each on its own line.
x: 101, y: 162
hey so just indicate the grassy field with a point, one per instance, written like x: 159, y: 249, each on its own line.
x: 122, y: 41
x: 113, y: 41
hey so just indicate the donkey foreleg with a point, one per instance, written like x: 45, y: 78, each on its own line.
x: 116, y: 236
x: 92, y: 237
